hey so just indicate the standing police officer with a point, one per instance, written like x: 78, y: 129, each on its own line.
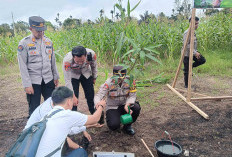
x: 197, y: 57
x: 80, y: 66
x: 120, y: 92
x: 37, y: 64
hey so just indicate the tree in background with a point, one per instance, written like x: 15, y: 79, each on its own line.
x: 145, y: 17
x: 5, y: 30
x: 226, y: 10
x: 78, y: 22
x: 69, y: 23
x: 50, y: 26
x: 101, y: 13
x: 210, y: 12
x: 182, y: 10
x: 21, y: 27
x: 117, y: 16
x: 89, y: 22
x: 161, y: 16
x: 57, y: 19
x: 112, y: 12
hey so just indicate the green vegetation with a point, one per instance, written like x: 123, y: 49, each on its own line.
x: 112, y: 41
x: 149, y: 47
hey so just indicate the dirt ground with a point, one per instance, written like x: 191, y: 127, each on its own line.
x: 202, y: 138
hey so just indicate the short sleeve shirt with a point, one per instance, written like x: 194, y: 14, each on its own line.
x: 57, y: 129
x: 40, y: 112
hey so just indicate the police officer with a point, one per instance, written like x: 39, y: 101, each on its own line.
x: 120, y: 92
x: 197, y: 57
x: 80, y: 66
x: 37, y: 64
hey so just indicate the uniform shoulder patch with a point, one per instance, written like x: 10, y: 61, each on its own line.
x: 95, y: 57
x: 20, y: 48
x: 106, y: 86
x: 67, y: 66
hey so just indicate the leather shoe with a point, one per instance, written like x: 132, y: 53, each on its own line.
x: 128, y: 130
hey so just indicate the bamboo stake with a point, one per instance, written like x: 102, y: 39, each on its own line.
x: 147, y: 148
x: 189, y: 103
x: 182, y: 58
x: 212, y: 98
x: 191, y: 54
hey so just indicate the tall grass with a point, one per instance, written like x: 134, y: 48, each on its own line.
x: 214, y: 32
x: 8, y: 49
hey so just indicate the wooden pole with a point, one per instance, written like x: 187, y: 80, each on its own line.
x: 147, y: 147
x: 212, y: 98
x: 182, y: 57
x: 191, y: 54
x: 189, y: 103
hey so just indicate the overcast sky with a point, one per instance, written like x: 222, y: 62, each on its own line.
x: 81, y: 9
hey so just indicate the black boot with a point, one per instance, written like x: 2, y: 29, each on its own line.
x: 128, y: 129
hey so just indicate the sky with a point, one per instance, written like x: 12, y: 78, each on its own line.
x: 80, y: 9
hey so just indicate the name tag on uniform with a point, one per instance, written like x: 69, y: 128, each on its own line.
x: 48, y: 47
x: 50, y: 51
x: 47, y: 43
x: 33, y: 53
x: 31, y: 45
x: 32, y: 48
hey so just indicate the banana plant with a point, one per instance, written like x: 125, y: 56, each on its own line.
x: 139, y: 52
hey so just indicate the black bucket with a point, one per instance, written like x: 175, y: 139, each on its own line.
x: 167, y: 148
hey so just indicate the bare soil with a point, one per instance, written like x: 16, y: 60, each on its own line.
x: 201, y: 137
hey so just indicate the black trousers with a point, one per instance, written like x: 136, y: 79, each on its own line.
x: 44, y: 89
x: 113, y: 115
x: 196, y: 63
x: 87, y: 85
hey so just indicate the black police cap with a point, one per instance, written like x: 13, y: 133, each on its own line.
x: 118, y: 68
x: 37, y: 23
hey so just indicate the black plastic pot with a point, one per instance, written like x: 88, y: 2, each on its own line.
x: 166, y: 149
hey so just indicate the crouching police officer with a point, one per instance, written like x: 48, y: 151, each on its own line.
x: 80, y: 66
x: 37, y: 64
x: 119, y: 95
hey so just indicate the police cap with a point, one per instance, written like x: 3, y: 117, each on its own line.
x: 119, y: 69
x: 38, y: 23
